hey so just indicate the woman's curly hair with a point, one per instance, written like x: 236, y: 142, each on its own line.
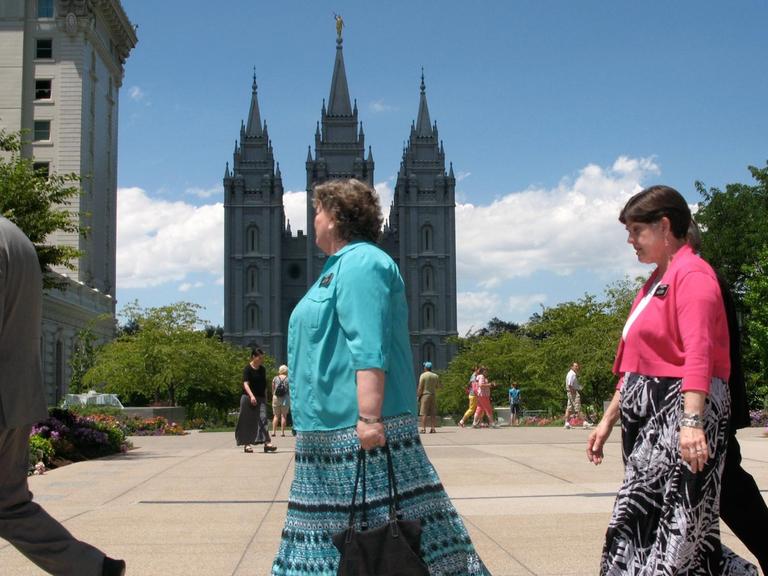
x: 353, y: 206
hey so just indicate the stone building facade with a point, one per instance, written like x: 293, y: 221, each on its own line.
x: 61, y: 68
x: 268, y: 268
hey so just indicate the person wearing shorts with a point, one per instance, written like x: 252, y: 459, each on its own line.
x: 281, y: 405
x: 429, y: 382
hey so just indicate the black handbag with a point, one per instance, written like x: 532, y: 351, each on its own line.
x: 389, y: 550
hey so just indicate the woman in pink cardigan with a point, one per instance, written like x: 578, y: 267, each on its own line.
x: 673, y: 401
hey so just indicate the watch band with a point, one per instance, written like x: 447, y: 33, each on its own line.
x: 370, y: 420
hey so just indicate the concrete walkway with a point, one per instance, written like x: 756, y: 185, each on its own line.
x: 197, y: 505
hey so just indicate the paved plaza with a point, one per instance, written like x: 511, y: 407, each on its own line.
x: 196, y: 505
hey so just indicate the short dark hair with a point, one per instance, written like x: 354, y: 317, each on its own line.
x: 655, y: 202
x: 256, y: 352
x: 354, y: 207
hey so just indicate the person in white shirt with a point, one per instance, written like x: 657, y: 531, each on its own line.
x: 572, y: 387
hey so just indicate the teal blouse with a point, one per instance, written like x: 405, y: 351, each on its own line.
x: 354, y: 317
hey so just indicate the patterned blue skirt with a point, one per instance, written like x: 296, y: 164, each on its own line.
x: 321, y: 494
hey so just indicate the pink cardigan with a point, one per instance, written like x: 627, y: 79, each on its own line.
x: 683, y: 332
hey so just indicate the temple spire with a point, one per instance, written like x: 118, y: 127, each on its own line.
x: 254, y: 128
x: 338, y: 101
x: 423, y: 123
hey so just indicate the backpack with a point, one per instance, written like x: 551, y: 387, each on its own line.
x: 281, y: 389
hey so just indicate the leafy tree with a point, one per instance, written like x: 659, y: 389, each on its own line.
x: 168, y: 359
x: 212, y: 331
x: 734, y: 226
x: 82, y: 358
x: 756, y: 298
x: 538, y: 353
x: 37, y: 203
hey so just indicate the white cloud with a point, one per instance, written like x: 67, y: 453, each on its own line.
x: 135, y: 93
x: 522, y: 303
x: 380, y: 106
x: 386, y: 195
x: 215, y: 190
x: 295, y: 206
x: 187, y: 286
x: 160, y: 241
x: 463, y: 176
x: 571, y: 229
x: 475, y: 309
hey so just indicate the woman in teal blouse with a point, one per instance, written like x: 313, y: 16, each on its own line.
x: 353, y: 385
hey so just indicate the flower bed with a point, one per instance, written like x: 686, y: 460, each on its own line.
x: 759, y: 418
x: 536, y: 421
x: 67, y: 437
x: 157, y: 426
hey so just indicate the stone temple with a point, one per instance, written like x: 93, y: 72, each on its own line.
x: 268, y: 267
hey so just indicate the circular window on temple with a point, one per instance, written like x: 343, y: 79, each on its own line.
x: 294, y: 271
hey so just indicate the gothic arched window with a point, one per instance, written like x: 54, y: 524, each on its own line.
x: 428, y: 352
x: 427, y: 278
x: 253, y: 276
x: 428, y: 315
x: 427, y: 240
x: 252, y: 239
x: 252, y: 317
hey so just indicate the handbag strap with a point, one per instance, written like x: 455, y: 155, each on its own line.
x: 360, y: 460
x: 393, y: 498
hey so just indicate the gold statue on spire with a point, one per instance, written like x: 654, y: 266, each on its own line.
x: 339, y: 24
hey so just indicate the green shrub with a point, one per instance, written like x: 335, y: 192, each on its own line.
x: 40, y: 449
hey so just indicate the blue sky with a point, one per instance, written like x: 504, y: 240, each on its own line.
x: 552, y: 112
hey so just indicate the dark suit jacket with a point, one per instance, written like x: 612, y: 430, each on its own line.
x: 22, y: 396
x: 736, y: 385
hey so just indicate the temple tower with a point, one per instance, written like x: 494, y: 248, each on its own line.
x: 421, y: 236
x: 339, y: 151
x: 253, y: 231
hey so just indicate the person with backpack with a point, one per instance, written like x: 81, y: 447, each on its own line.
x: 281, y: 399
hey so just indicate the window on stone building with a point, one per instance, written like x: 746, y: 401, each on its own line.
x: 427, y: 278
x: 252, y: 279
x: 428, y: 316
x: 294, y: 271
x: 45, y: 8
x: 252, y: 317
x: 43, y: 89
x: 44, y: 48
x: 42, y: 131
x: 59, y: 375
x: 428, y: 352
x: 42, y: 169
x: 426, y: 238
x: 252, y: 239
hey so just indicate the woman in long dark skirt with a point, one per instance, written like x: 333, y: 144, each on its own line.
x: 252, y: 424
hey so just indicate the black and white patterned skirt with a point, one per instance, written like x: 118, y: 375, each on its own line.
x: 666, y: 518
